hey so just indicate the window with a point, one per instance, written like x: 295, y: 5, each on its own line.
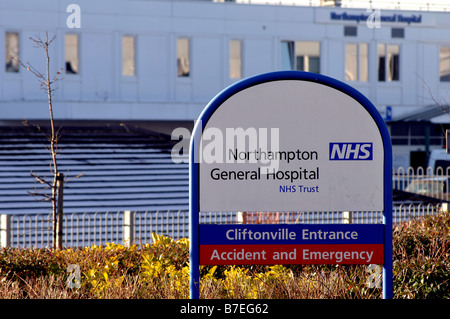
x: 183, y: 57
x: 350, y: 31
x: 351, y: 62
x: 444, y: 64
x: 12, y: 52
x: 408, y: 133
x: 287, y: 55
x: 388, y: 62
x: 364, y: 62
x: 399, y: 133
x: 72, y: 66
x: 356, y: 62
x: 397, y: 33
x: 128, y: 56
x: 300, y: 56
x: 307, y: 55
x: 235, y: 59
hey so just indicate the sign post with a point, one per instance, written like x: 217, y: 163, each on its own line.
x: 290, y: 141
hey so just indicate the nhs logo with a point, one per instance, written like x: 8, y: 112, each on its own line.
x: 351, y: 151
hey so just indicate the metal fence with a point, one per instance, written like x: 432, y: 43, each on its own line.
x: 402, y: 177
x: 86, y: 229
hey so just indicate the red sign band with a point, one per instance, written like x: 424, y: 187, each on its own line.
x: 291, y: 254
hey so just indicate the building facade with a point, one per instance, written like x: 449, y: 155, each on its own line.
x: 158, y: 63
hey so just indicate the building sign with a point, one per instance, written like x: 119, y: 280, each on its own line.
x: 394, y: 18
x: 291, y: 244
x: 290, y: 141
x: 298, y: 157
x: 373, y: 17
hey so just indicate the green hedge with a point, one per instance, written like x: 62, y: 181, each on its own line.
x: 421, y: 271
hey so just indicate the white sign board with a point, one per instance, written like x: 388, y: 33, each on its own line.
x: 291, y: 145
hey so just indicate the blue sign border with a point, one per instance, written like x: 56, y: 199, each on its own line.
x: 218, y: 100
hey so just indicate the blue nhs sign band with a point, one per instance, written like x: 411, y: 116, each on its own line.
x: 351, y: 151
x: 331, y: 152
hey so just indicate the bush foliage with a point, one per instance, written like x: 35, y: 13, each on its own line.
x: 161, y: 270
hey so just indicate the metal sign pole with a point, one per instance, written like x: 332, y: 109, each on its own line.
x: 194, y: 211
x: 387, y: 221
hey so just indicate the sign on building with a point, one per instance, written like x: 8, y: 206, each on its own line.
x: 278, y: 244
x: 289, y: 142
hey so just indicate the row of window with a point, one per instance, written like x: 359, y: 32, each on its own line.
x: 295, y: 55
x: 128, y: 55
x: 235, y: 58
x: 305, y: 56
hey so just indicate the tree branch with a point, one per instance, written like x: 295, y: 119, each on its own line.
x: 40, y: 180
x: 444, y: 108
x: 71, y: 179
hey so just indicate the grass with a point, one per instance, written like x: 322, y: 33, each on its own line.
x: 160, y: 271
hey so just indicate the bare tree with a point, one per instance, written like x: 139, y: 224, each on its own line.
x: 56, y: 185
x: 444, y: 107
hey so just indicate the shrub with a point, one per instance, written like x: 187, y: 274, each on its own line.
x: 161, y: 270
x: 422, y: 258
